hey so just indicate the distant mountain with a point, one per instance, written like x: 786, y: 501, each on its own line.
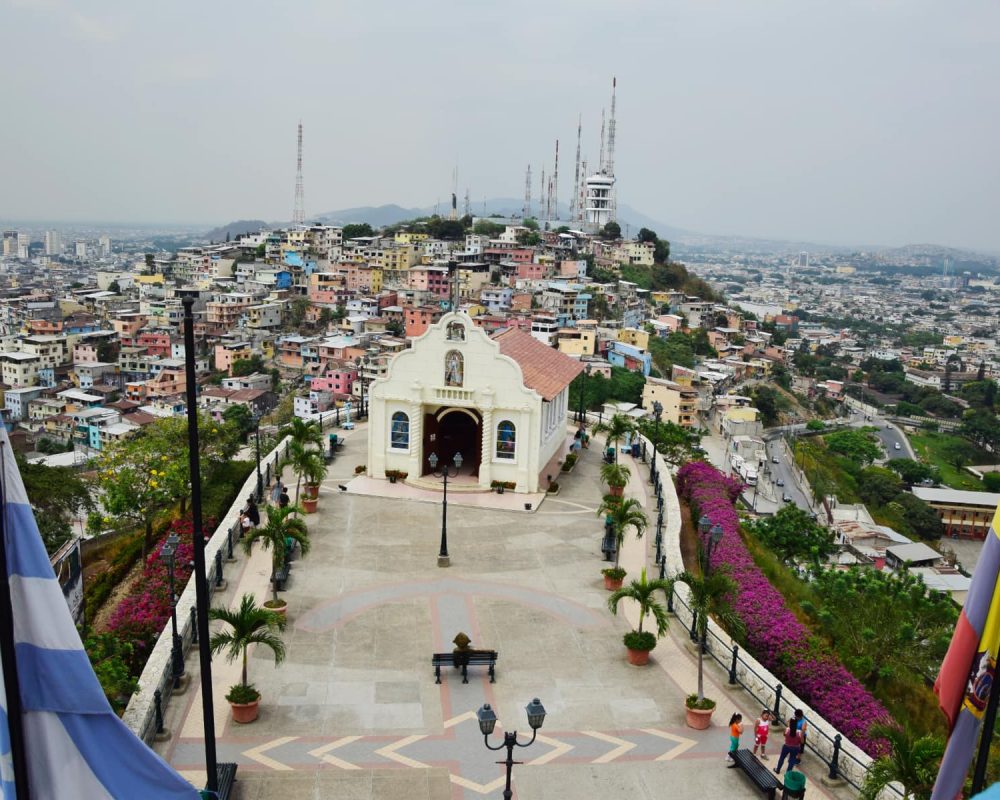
x: 234, y: 229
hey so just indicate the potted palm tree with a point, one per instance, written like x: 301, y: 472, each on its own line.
x: 284, y: 528
x: 304, y: 432
x: 640, y: 642
x: 248, y: 625
x: 709, y: 596
x: 615, y: 429
x: 305, y: 461
x: 621, y: 514
x: 314, y: 473
x: 912, y: 762
x: 616, y: 477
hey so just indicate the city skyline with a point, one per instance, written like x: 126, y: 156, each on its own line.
x: 847, y: 125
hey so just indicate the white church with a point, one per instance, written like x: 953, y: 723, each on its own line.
x: 499, y: 401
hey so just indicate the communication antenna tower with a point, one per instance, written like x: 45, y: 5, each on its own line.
x: 574, y: 201
x: 453, y: 214
x: 581, y: 200
x: 554, y: 206
x: 610, y: 166
x: 299, y: 210
x: 600, y: 163
x: 468, y: 203
x: 526, y: 210
x: 541, y: 192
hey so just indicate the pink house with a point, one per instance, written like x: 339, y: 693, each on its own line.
x: 336, y: 381
x: 429, y: 279
x: 530, y: 271
x: 156, y: 344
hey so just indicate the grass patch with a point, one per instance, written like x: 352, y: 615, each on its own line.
x: 827, y: 473
x: 934, y: 448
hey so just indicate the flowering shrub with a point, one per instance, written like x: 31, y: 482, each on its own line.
x: 774, y: 634
x: 142, y: 614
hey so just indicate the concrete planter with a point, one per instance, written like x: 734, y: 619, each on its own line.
x: 310, y: 504
x: 637, y: 658
x: 244, y: 713
x: 698, y: 718
x: 613, y: 584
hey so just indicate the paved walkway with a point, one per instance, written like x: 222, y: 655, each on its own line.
x: 354, y: 712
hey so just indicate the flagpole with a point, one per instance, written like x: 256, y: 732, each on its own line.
x: 8, y: 657
x: 200, y: 580
x: 986, y: 737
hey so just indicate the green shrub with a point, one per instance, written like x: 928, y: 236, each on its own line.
x: 634, y: 640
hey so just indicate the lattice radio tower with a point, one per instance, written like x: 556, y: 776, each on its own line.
x: 574, y: 200
x: 299, y: 212
x: 526, y: 211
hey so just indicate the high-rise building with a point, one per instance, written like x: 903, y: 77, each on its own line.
x: 81, y: 248
x: 23, y: 243
x: 105, y: 245
x: 10, y: 243
x: 53, y: 243
x: 803, y: 259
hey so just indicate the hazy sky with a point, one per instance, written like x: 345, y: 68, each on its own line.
x: 841, y: 121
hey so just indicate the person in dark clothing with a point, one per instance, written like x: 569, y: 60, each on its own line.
x: 283, y: 498
x: 253, y: 512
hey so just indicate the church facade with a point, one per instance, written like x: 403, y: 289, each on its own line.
x: 499, y: 401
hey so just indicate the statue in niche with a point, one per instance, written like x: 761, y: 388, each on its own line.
x: 454, y: 369
x: 456, y: 332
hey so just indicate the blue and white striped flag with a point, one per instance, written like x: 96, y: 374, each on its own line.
x: 75, y: 745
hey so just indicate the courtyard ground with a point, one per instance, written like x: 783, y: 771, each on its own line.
x: 354, y: 711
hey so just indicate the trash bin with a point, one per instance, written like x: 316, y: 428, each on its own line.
x: 795, y: 785
x: 635, y: 449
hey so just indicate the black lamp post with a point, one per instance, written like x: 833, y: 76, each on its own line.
x: 444, y: 560
x: 582, y: 414
x: 704, y: 526
x: 361, y: 364
x: 657, y: 412
x: 714, y: 537
x: 487, y: 722
x: 168, y: 553
x: 260, y: 478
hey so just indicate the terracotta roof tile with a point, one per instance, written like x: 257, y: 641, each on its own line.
x: 545, y: 369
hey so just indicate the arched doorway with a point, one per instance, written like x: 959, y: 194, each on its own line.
x: 454, y: 430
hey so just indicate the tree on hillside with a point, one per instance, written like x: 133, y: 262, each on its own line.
x: 912, y: 472
x: 901, y: 616
x: 879, y: 486
x: 912, y: 762
x: 354, y: 230
x: 795, y: 536
x: 247, y: 366
x: 241, y: 417
x: 57, y: 495
x: 611, y: 231
x: 859, y: 446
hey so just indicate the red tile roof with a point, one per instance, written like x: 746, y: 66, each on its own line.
x: 545, y: 369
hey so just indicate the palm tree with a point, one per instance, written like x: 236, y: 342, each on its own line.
x: 304, y: 432
x: 249, y: 624
x: 305, y: 462
x: 912, y: 761
x: 710, y: 596
x: 624, y: 513
x: 642, y: 591
x: 616, y: 429
x: 616, y: 476
x: 283, y: 529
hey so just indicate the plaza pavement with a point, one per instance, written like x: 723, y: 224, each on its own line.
x: 354, y: 711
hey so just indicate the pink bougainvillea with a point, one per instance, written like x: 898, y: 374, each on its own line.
x: 774, y: 634
x: 141, y: 615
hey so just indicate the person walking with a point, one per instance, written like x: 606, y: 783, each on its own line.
x: 790, y: 749
x: 760, y: 730
x: 276, y: 490
x: 284, y: 499
x: 802, y: 726
x: 252, y: 512
x: 735, y: 731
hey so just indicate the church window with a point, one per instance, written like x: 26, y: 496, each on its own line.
x: 454, y: 369
x: 399, y: 435
x: 506, y: 439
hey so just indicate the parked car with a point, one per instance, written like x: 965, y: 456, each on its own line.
x: 786, y: 498
x: 897, y: 446
x: 775, y: 460
x: 779, y: 482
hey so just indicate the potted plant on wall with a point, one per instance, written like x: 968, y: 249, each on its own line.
x: 315, y: 472
x: 621, y: 514
x: 247, y: 625
x: 395, y: 475
x: 616, y: 477
x: 640, y: 642
x: 283, y: 530
x: 709, y: 596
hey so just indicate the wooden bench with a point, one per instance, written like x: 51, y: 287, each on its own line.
x: 226, y: 779
x: 278, y: 578
x: 761, y: 777
x: 463, y: 660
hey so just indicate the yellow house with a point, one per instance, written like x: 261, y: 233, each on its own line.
x: 634, y: 337
x: 151, y: 280
x: 406, y: 237
x: 953, y: 340
x: 475, y: 309
x: 577, y: 341
x: 680, y: 403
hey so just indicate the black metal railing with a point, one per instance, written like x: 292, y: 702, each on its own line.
x: 729, y: 656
